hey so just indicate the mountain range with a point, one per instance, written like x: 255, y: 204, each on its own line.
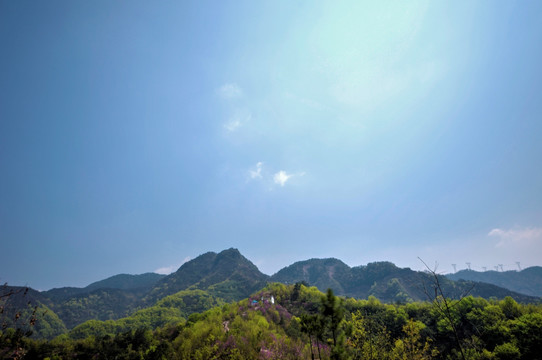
x: 527, y: 281
x: 385, y: 281
x: 214, y: 278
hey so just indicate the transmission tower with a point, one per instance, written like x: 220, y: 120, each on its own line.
x: 454, y: 266
x: 496, y: 268
x: 500, y: 265
x: 519, y: 267
x: 468, y: 265
x: 484, y: 267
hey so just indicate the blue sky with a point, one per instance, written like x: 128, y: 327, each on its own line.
x: 137, y: 135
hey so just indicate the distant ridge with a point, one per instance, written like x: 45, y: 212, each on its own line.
x: 121, y: 282
x: 383, y: 280
x: 126, y: 281
x: 527, y: 281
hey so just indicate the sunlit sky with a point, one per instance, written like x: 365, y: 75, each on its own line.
x: 135, y: 135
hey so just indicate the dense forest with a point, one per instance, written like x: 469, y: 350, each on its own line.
x: 293, y: 322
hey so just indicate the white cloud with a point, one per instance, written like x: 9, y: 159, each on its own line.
x: 484, y: 251
x: 238, y: 119
x: 517, y: 237
x: 257, y: 173
x: 281, y: 177
x: 232, y: 125
x: 166, y: 270
x: 230, y: 91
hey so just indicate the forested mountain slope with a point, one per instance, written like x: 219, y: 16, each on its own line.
x: 527, y: 281
x: 383, y: 280
x: 227, y: 275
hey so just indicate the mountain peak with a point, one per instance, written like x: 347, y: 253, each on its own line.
x: 230, y: 254
x: 228, y: 275
x: 231, y: 250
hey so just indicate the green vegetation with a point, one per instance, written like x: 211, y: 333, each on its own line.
x: 227, y: 275
x: 299, y: 322
x: 172, y: 309
x: 101, y: 304
x: 383, y: 280
x: 21, y: 308
x: 219, y: 306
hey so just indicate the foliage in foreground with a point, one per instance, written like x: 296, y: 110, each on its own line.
x: 300, y: 322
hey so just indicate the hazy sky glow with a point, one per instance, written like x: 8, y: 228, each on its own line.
x: 137, y: 135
